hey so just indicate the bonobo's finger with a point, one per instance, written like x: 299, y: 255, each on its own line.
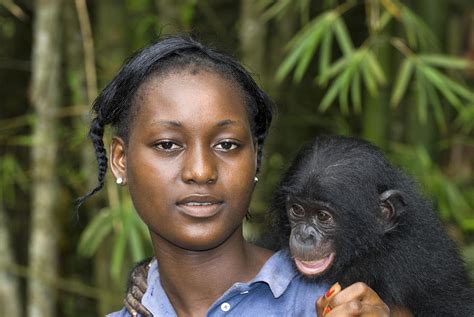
x: 137, y: 293
x: 133, y: 306
x: 131, y: 311
x: 139, y: 276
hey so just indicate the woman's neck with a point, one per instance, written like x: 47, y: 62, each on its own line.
x: 194, y: 280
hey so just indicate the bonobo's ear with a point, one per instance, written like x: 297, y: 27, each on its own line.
x: 392, y: 206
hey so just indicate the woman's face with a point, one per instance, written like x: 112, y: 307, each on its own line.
x: 190, y: 159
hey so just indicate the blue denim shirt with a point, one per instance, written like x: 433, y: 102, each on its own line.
x: 277, y: 290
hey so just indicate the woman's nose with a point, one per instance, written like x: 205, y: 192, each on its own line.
x: 199, y: 166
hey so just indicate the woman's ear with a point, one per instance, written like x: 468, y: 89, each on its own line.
x: 118, y: 158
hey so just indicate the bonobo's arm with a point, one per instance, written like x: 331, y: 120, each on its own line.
x: 136, y: 287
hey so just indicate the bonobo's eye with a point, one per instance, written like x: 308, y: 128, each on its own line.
x: 297, y: 210
x: 323, y: 215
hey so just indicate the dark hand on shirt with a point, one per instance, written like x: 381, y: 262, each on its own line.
x: 136, y: 287
x: 356, y: 300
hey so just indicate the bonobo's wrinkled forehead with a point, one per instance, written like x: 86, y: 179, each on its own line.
x: 335, y: 166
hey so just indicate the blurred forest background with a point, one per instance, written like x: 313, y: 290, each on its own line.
x: 398, y: 73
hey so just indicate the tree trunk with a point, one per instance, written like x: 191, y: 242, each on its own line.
x: 9, y: 292
x: 252, y: 36
x: 45, y: 98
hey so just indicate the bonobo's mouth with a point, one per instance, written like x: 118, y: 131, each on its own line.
x: 316, y: 267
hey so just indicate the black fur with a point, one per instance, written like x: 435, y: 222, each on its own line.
x: 413, y: 265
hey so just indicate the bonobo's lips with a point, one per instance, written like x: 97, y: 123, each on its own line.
x: 316, y: 267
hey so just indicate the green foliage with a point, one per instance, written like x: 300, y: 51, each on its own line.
x: 347, y: 70
x: 430, y: 82
x: 12, y: 176
x: 279, y: 9
x: 468, y: 253
x: 126, y: 230
x: 7, y: 27
x: 450, y: 198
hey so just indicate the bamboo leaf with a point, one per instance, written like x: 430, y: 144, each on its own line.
x: 331, y: 94
x: 384, y: 19
x: 308, y: 37
x: 418, y: 32
x: 445, y: 61
x: 401, y: 82
x: 118, y: 253
x: 342, y: 35
x: 459, y: 89
x: 275, y: 10
x: 95, y: 232
x: 325, y: 54
x: 438, y: 80
x: 355, y: 92
x: 436, y: 104
x: 344, y: 93
x: 333, y: 70
x: 375, y: 67
x: 288, y: 63
x: 369, y: 81
x: 136, y: 245
x: 307, y: 54
x: 421, y: 96
x: 348, y: 76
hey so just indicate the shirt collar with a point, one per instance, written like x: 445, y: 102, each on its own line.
x: 277, y: 272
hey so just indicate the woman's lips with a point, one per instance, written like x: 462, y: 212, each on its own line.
x: 199, y: 206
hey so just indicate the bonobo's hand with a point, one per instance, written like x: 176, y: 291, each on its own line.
x: 356, y: 300
x: 136, y: 287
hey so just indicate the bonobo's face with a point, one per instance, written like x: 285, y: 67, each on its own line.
x: 312, y: 236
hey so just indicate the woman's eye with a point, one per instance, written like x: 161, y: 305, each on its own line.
x: 226, y: 146
x: 167, y: 146
x: 323, y: 216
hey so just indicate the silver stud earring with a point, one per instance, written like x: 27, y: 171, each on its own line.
x: 255, y: 179
x: 119, y: 181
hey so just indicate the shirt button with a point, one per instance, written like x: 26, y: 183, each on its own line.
x: 225, y: 306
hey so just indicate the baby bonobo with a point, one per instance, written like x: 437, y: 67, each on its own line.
x: 346, y: 215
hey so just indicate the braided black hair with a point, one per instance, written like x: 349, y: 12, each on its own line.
x: 173, y: 54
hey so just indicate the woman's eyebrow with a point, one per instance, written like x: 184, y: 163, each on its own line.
x: 226, y: 122
x: 175, y: 123
x: 171, y: 123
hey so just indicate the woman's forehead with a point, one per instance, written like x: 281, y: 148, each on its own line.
x: 191, y: 96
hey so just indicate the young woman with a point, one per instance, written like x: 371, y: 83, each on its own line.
x: 189, y: 127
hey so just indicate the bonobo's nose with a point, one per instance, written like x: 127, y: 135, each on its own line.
x: 309, y: 235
